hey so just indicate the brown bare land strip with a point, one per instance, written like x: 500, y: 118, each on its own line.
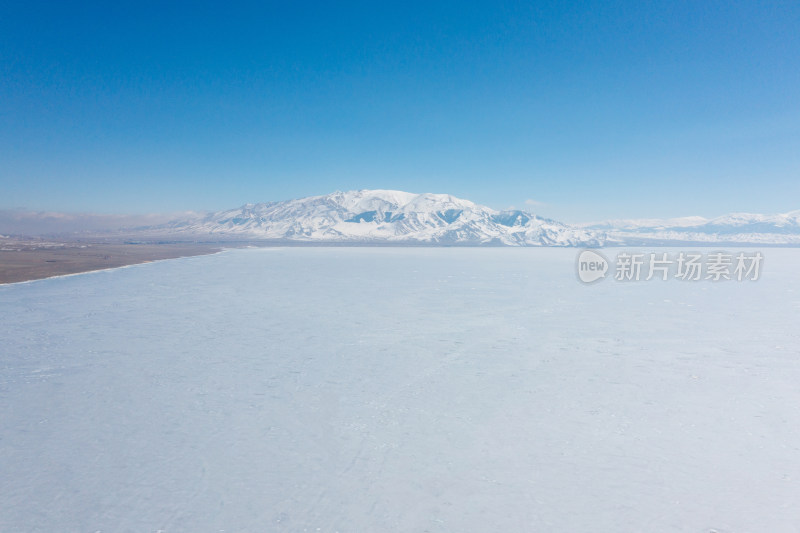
x: 24, y: 260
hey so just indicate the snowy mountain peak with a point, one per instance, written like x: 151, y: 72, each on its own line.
x: 385, y: 216
x: 389, y: 200
x: 389, y: 216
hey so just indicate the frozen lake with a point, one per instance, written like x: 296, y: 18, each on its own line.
x: 399, y: 389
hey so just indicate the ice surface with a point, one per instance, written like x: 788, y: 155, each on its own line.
x: 399, y: 389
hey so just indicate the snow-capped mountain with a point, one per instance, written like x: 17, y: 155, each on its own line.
x: 397, y: 217
x: 746, y: 228
x: 384, y: 216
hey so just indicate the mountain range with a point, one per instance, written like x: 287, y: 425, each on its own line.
x: 396, y: 217
x: 384, y: 216
x: 738, y: 228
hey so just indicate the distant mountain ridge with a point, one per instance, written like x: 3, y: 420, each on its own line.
x: 385, y: 216
x: 745, y: 228
x: 393, y: 217
x: 396, y: 217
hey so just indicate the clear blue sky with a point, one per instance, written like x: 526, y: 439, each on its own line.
x: 585, y: 110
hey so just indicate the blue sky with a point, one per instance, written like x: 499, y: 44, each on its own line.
x: 584, y: 110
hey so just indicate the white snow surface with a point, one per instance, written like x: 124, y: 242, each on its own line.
x: 399, y: 389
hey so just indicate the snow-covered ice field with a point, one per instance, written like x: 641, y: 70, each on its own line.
x: 399, y: 389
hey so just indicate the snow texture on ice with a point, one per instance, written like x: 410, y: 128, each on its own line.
x: 329, y: 389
